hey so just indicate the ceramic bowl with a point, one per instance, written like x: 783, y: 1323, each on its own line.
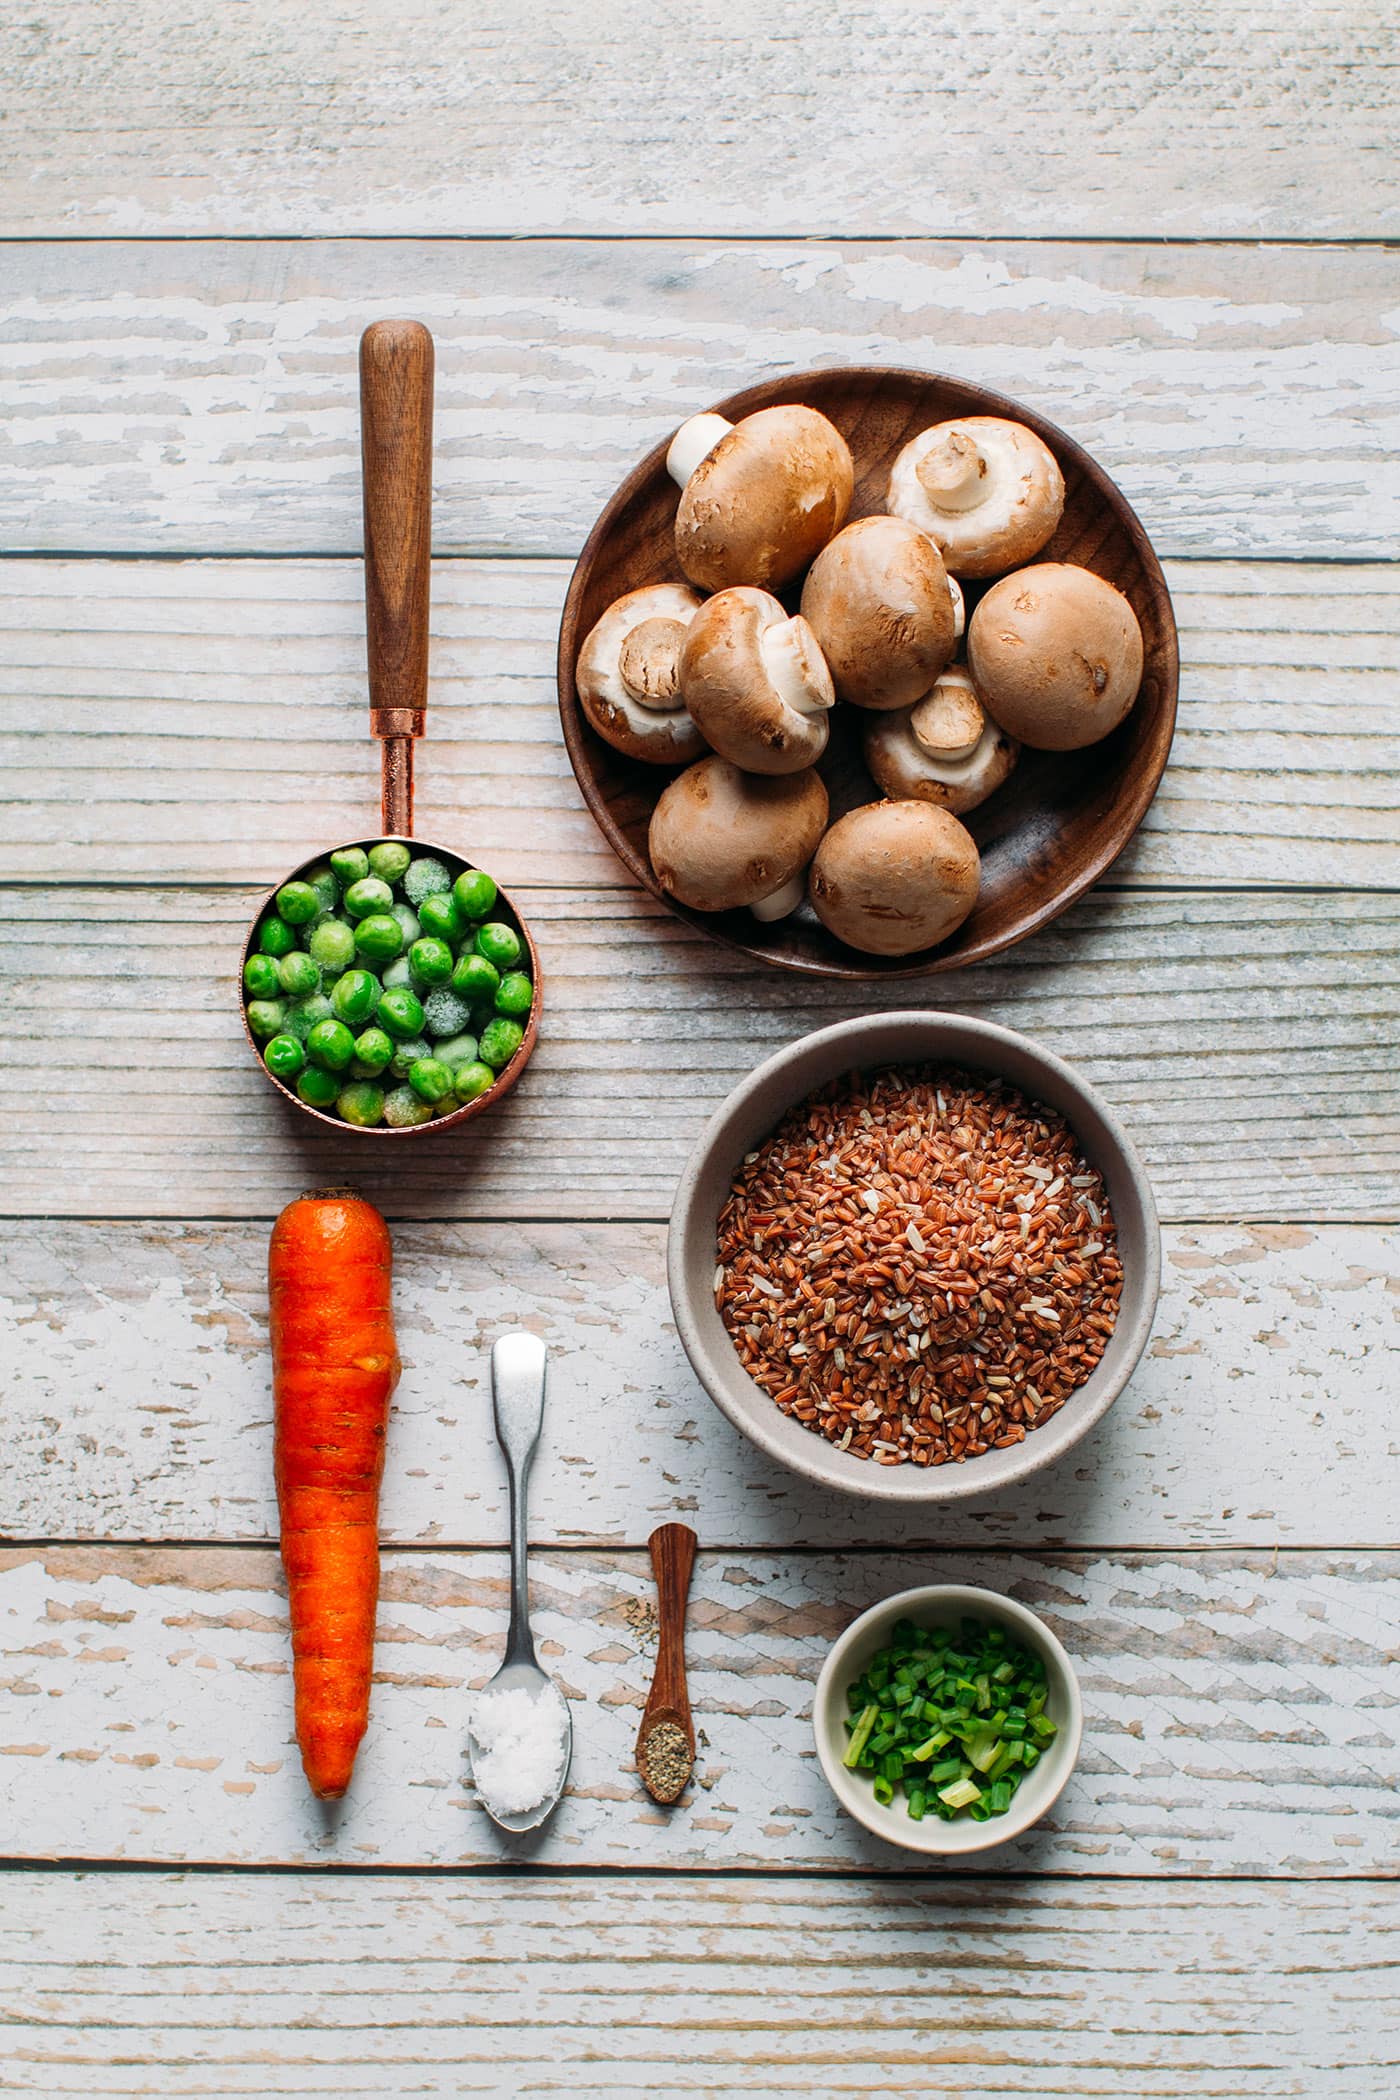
x: 1061, y: 819
x: 941, y: 1604
x: 758, y: 1104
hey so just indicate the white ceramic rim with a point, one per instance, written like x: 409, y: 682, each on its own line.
x: 867, y: 1043
x: 1038, y: 1791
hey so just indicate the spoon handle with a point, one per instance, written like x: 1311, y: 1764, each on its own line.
x: 396, y: 450
x: 517, y: 1398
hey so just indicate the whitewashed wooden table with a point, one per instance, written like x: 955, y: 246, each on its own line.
x: 1166, y: 227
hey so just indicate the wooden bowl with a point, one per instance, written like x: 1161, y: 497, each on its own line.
x: 1062, y: 818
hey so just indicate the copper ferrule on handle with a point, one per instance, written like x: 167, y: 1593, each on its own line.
x: 396, y: 448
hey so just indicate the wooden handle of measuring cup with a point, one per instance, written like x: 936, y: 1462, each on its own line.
x: 396, y: 449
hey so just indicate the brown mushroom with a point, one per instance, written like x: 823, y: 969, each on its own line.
x: 721, y: 838
x: 894, y: 877
x: 945, y: 749
x: 628, y: 675
x: 988, y: 491
x: 759, y: 498
x: 878, y: 602
x: 755, y: 682
x: 1056, y: 654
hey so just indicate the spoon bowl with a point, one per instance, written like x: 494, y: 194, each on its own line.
x: 525, y: 1675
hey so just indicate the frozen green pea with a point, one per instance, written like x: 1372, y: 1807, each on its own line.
x: 457, y: 1050
x: 445, y: 1014
x: 349, y: 864
x: 500, y: 1039
x: 361, y: 1103
x: 388, y: 859
x: 260, y: 978
x: 373, y: 1051
x: 403, y: 1109
x: 430, y: 1079
x: 265, y: 1017
x: 284, y: 1056
x: 400, y: 1013
x: 275, y: 936
x: 409, y: 924
x: 316, y: 1088
x: 366, y: 896
x: 442, y: 916
x: 424, y: 877
x: 430, y: 962
x: 322, y: 880
x: 332, y: 944
x: 297, y: 902
x: 331, y: 1045
x: 303, y: 1014
x: 407, y: 1054
x: 514, y: 994
x: 499, y: 943
x: 355, y: 997
x: 475, y: 893
x: 377, y: 938
x: 396, y: 973
x: 299, y: 974
x: 475, y: 978
x: 471, y: 1080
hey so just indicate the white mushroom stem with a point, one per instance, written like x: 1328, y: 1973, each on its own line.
x: 693, y: 442
x: 959, y: 608
x: 796, y: 667
x: 649, y: 663
x: 952, y: 472
x: 782, y: 901
x: 949, y: 722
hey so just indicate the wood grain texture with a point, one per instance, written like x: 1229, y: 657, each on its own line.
x: 1237, y: 1716
x: 136, y: 696
x: 618, y: 117
x: 181, y: 397
x: 137, y: 1385
x: 1245, y: 1039
x: 361, y: 1987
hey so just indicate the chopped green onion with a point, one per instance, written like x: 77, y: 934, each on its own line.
x: 952, y: 1719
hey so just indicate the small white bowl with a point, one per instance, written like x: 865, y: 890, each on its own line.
x: 943, y: 1604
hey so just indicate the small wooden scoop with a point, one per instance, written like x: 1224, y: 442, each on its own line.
x: 666, y: 1738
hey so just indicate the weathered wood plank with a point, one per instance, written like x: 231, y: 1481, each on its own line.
x: 610, y: 117
x: 201, y: 398
x: 690, y: 1984
x: 135, y: 696
x: 1245, y: 1038
x: 137, y: 1390
x: 1238, y: 1719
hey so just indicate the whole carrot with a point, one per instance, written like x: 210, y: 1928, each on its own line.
x: 334, y: 1367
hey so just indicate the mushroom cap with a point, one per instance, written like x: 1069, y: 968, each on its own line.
x: 1056, y: 654
x: 765, y: 500
x: 878, y: 602
x: 720, y: 838
x: 959, y: 757
x: 988, y: 491
x: 755, y: 682
x: 894, y: 877
x: 658, y: 730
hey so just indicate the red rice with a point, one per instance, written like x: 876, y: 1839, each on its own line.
x: 919, y: 1266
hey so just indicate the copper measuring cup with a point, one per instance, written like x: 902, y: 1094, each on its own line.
x: 396, y: 442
